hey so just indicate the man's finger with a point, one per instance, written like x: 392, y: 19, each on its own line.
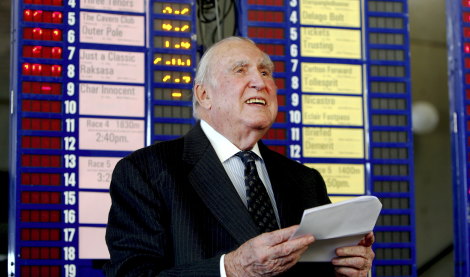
x: 349, y: 271
x: 354, y: 262
x: 291, y: 246
x: 368, y: 240
x: 279, y: 236
x: 354, y: 251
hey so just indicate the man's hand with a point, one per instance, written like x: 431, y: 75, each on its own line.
x: 268, y: 254
x: 355, y: 260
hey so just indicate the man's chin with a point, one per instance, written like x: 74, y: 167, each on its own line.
x: 261, y: 126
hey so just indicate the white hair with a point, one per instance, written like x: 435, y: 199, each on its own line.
x: 203, y: 71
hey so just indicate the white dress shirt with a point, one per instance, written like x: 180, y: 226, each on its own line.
x: 235, y: 169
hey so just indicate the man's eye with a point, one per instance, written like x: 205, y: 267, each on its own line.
x: 265, y: 73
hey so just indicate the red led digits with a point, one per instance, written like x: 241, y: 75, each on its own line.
x: 36, y: 142
x: 56, y: 70
x: 279, y: 66
x: 38, y: 33
x: 262, y: 32
x: 43, y: 253
x: 272, y: 49
x: 466, y: 32
x: 36, y: 69
x: 42, y: 34
x: 41, y: 106
x: 466, y: 3
x: 26, y: 69
x: 281, y: 149
x: 41, y: 16
x: 40, y: 216
x: 56, y: 35
x: 40, y: 179
x: 40, y: 270
x: 281, y: 117
x: 40, y: 234
x: 56, y: 52
x: 28, y: 15
x: 40, y: 160
x: 44, y: 2
x: 266, y: 2
x: 57, y: 17
x: 41, y: 124
x: 265, y: 16
x: 45, y: 70
x: 45, y: 52
x: 280, y: 83
x: 275, y: 134
x: 40, y: 197
x: 466, y: 17
x: 41, y: 88
x: 37, y: 16
x: 281, y: 100
x: 36, y: 52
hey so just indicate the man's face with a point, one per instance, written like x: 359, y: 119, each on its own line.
x: 241, y: 89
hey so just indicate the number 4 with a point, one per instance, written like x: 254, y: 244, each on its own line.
x: 293, y: 17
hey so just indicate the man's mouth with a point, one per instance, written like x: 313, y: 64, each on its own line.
x: 256, y: 101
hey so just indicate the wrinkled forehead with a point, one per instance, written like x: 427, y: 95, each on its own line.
x: 244, y: 53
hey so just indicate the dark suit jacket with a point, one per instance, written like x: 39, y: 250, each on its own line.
x: 175, y: 211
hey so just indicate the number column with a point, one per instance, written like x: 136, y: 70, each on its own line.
x: 70, y: 144
x: 295, y: 114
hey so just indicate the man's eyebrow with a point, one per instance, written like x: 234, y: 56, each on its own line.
x: 239, y: 64
x: 266, y: 65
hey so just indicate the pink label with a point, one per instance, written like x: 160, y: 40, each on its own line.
x: 111, y: 100
x: 111, y: 66
x: 93, y: 207
x: 91, y: 243
x: 113, y: 5
x: 111, y: 134
x: 107, y: 28
x: 95, y: 172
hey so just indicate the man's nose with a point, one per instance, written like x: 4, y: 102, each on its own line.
x: 257, y: 81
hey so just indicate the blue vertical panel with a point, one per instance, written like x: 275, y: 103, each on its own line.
x: 347, y: 105
x: 458, y: 39
x: 390, y: 136
x: 91, y: 81
x: 173, y: 55
x: 37, y: 154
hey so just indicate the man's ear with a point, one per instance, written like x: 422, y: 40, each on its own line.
x: 202, y: 96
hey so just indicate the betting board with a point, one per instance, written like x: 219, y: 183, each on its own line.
x: 93, y: 80
x: 342, y: 69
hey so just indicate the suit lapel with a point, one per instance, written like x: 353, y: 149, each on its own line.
x: 212, y: 184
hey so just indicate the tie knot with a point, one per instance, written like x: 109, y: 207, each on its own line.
x: 246, y: 156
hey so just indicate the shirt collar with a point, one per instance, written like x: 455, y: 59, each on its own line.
x: 222, y: 146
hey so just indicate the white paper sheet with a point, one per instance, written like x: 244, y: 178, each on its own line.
x: 336, y: 225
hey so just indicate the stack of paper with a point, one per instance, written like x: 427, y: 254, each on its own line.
x: 336, y: 225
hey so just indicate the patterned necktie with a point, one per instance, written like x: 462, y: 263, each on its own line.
x: 259, y: 204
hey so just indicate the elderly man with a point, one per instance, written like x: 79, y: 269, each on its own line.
x: 217, y: 201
